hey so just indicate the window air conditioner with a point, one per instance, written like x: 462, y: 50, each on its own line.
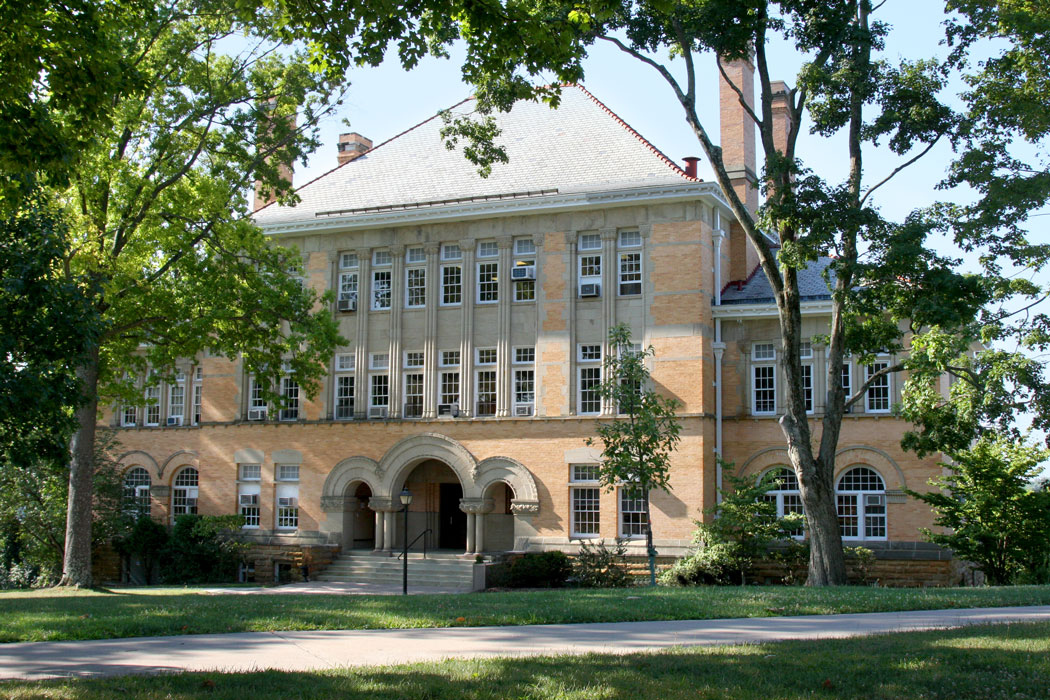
x: 286, y: 502
x: 256, y: 414
x: 377, y: 412
x: 523, y: 410
x: 348, y: 305
x: 523, y: 272
x: 174, y: 420
x: 448, y: 409
x: 191, y: 502
x: 592, y: 289
x: 142, y: 492
x: 249, y: 499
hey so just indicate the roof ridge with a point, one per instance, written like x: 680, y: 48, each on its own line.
x: 364, y: 153
x: 631, y: 130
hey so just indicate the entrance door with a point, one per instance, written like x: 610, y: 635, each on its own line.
x: 452, y: 530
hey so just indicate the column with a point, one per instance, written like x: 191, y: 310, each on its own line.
x: 364, y: 306
x: 610, y: 264
x: 537, y: 406
x: 471, y: 522
x: 379, y: 531
x: 503, y: 345
x: 466, y: 352
x: 572, y: 290
x: 388, y: 530
x: 397, y: 303
x: 430, y: 351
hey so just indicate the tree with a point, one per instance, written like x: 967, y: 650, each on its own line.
x: 158, y: 224
x: 991, y: 514
x: 636, y: 449
x: 887, y: 281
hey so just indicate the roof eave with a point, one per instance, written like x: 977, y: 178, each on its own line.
x: 768, y: 309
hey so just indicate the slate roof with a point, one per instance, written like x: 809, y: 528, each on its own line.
x: 756, y: 289
x: 580, y: 147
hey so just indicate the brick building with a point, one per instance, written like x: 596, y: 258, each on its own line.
x: 476, y: 313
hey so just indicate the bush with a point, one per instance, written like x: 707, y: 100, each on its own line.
x: 862, y: 560
x: 710, y: 564
x: 540, y: 570
x: 794, y: 557
x: 203, y: 549
x: 597, y: 566
x: 148, y: 540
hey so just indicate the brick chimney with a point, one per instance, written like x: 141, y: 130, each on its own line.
x: 782, y: 122
x: 285, y: 171
x: 738, y: 154
x: 351, y: 146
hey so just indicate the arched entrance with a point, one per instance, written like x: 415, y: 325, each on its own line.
x: 436, y: 496
x: 359, y: 524
x: 497, y: 535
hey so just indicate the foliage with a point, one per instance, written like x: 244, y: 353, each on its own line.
x: 991, y: 515
x: 147, y: 541
x: 203, y: 549
x: 598, y: 566
x: 710, y: 563
x: 539, y: 570
x: 862, y: 560
x: 636, y: 449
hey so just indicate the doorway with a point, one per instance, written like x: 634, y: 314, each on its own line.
x: 452, y: 527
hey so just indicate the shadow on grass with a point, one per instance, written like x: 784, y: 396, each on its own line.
x: 1002, y: 661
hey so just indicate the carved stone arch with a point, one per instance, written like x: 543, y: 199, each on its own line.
x: 763, y: 460
x: 347, y: 472
x: 511, y: 472
x: 402, y: 458
x: 191, y: 461
x: 865, y: 455
x: 138, y: 458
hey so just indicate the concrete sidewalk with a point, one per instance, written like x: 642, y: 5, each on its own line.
x: 303, y: 651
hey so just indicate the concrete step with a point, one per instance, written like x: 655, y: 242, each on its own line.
x: 442, y: 569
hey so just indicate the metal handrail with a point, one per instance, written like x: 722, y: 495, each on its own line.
x: 400, y: 556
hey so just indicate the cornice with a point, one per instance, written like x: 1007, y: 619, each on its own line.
x: 768, y: 309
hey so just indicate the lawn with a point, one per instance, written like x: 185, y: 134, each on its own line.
x: 51, y: 615
x: 991, y: 662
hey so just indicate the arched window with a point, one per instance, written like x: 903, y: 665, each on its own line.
x: 184, y: 492
x: 785, y: 494
x: 861, y: 500
x: 136, y: 492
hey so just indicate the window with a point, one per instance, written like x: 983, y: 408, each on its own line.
x: 198, y: 395
x: 127, y: 416
x: 590, y: 397
x: 177, y: 400
x: 255, y: 396
x: 524, y: 272
x: 877, y: 397
x: 590, y: 274
x: 632, y: 511
x: 287, y: 512
x: 807, y: 387
x: 486, y: 356
x: 348, y: 261
x: 486, y: 393
x: 524, y: 355
x: 248, y: 503
x: 590, y: 353
x: 380, y: 395
x: 184, y: 493
x: 488, y: 284
x: 861, y: 500
x: 630, y: 274
x: 251, y: 472
x: 136, y: 492
x: 524, y: 389
x: 590, y: 241
x: 451, y: 251
x: 450, y: 358
x: 415, y: 255
x: 379, y: 360
x: 488, y: 249
x: 785, y: 494
x: 585, y: 516
x: 152, y: 411
x: 347, y: 286
x: 288, y: 472
x: 524, y: 246
x: 290, y: 394
x: 764, y: 380
x: 416, y: 287
x: 381, y: 258
x: 451, y: 285
x: 344, y: 397
x: 449, y: 388
x: 380, y: 290
x: 630, y: 239
x: 413, y: 395
x: 413, y: 359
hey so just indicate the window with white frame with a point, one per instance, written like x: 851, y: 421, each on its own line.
x: 589, y: 379
x: 413, y: 395
x: 382, y: 258
x: 448, y: 392
x: 136, y: 492
x: 379, y: 397
x: 877, y: 397
x: 630, y: 273
x: 381, y: 289
x: 631, y: 238
x: 248, y: 505
x: 585, y: 495
x: 290, y: 394
x: 488, y: 249
x: 379, y: 360
x: 485, y: 356
x: 785, y: 495
x: 415, y: 287
x: 451, y: 285
x: 413, y: 359
x: 152, y: 410
x: 451, y: 251
x: 128, y: 416
x: 632, y: 511
x: 763, y: 379
x: 198, y: 394
x: 348, y: 266
x: 488, y: 282
x: 628, y: 401
x: 256, y: 402
x: 525, y: 355
x: 286, y: 513
x: 861, y: 499
x: 414, y: 256
x: 250, y: 472
x: 450, y: 358
x: 177, y: 399
x: 184, y: 492
x: 524, y: 380
x: 485, y: 393
x: 523, y: 275
x: 348, y: 261
x: 805, y: 352
x: 343, y: 406
x: 287, y: 472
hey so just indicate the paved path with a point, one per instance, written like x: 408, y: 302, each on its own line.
x: 302, y: 651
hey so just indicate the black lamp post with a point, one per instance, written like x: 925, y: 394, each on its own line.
x: 406, y: 501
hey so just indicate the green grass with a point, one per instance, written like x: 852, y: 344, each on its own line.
x: 991, y: 663
x: 52, y: 615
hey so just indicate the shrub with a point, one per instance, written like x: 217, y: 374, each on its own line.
x: 794, y: 557
x: 598, y: 566
x: 148, y: 540
x: 862, y: 560
x: 203, y: 549
x: 539, y: 570
x: 710, y: 564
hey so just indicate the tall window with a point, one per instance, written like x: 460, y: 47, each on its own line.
x: 184, y: 492
x: 380, y: 289
x: 127, y: 416
x: 451, y: 285
x: 523, y: 275
x: 589, y: 265
x: 449, y: 390
x: 764, y: 379
x: 806, y: 353
x: 256, y: 402
x: 413, y: 395
x: 290, y: 393
x: 344, y: 386
x: 248, y: 503
x: 632, y: 511
x: 379, y: 397
x: 630, y: 273
x: 415, y: 287
x: 177, y: 399
x: 585, y: 499
x: 136, y: 492
x: 152, y: 411
x: 348, y: 266
x: 198, y: 394
x: 524, y: 380
x: 861, y: 499
x: 785, y: 494
x: 488, y: 284
x: 486, y: 393
x: 287, y: 515
x: 590, y: 379
x: 878, y: 395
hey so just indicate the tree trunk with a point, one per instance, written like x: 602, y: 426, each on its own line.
x: 649, y: 549
x: 76, y: 565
